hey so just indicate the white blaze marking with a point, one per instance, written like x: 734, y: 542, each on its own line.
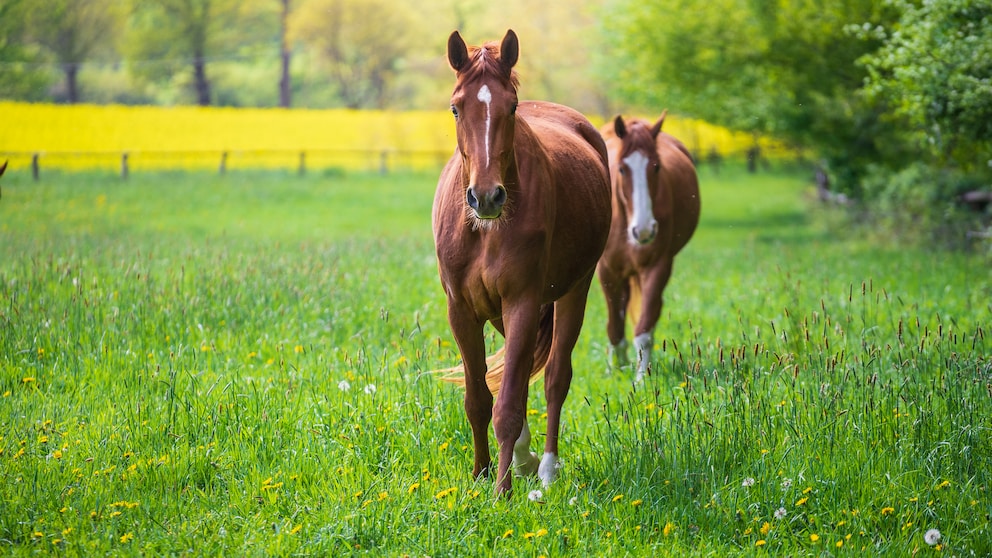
x: 486, y: 97
x: 637, y: 162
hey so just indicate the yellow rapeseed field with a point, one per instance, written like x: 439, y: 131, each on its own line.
x: 90, y: 136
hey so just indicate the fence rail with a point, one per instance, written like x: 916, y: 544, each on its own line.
x: 299, y: 160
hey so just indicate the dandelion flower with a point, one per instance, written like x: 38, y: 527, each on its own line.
x: 541, y: 532
x: 370, y: 389
x: 814, y: 537
x: 127, y: 537
x: 932, y: 537
x: 748, y: 482
x: 508, y: 533
x: 636, y: 503
x: 618, y: 497
x: 887, y: 510
x: 802, y: 501
x: 765, y: 527
x: 535, y: 495
x: 343, y: 385
x: 668, y: 529
x: 780, y: 513
x: 759, y: 542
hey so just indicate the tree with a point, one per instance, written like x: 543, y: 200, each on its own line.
x: 935, y: 72
x: 188, y: 31
x: 72, y: 31
x: 19, y: 76
x: 284, y: 56
x: 361, y: 43
x: 785, y: 68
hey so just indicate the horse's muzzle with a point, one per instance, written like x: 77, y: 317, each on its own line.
x: 488, y: 205
x: 644, y: 234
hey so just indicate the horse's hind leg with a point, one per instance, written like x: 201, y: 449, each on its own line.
x: 569, y: 313
x: 469, y: 336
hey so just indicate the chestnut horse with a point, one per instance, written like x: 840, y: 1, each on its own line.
x: 520, y: 218
x: 655, y: 212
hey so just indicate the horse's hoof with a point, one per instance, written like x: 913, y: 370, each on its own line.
x: 548, y: 470
x: 526, y: 467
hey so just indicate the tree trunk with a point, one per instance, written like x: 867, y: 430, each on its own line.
x: 71, y: 82
x: 284, y: 91
x: 202, y: 85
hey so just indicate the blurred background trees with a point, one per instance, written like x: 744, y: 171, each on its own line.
x: 892, y: 100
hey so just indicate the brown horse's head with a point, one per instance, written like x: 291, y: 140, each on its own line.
x: 638, y: 166
x: 484, y: 103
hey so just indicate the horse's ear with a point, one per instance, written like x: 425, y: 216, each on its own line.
x: 509, y: 50
x: 619, y: 128
x: 457, y: 52
x: 3, y: 168
x: 656, y: 129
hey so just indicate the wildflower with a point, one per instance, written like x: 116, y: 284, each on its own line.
x: 802, y: 501
x: 780, y: 513
x: 508, y: 533
x: 668, y: 529
x: 814, y: 537
x: 127, y: 537
x: 931, y: 537
x: 535, y: 495
x: 887, y: 510
x: 618, y: 497
x: 443, y: 446
x: 765, y: 527
x: 808, y: 489
x: 759, y: 542
x: 943, y: 484
x: 786, y: 483
x: 541, y: 532
x: 27, y: 380
x: 528, y: 535
x: 446, y: 492
x: 298, y: 349
x: 413, y: 487
x: 636, y: 503
x: 343, y: 385
x: 370, y: 389
x: 840, y: 543
x: 295, y: 530
x: 383, y: 495
x: 748, y: 482
x: 573, y: 500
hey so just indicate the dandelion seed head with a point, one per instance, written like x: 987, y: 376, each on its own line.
x: 932, y: 537
x: 370, y: 389
x: 535, y: 495
x: 343, y: 385
x: 748, y: 482
x: 781, y: 513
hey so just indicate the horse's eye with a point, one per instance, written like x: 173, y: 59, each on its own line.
x: 656, y: 167
x: 454, y: 111
x: 513, y: 109
x: 623, y: 170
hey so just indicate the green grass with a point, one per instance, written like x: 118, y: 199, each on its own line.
x: 173, y: 350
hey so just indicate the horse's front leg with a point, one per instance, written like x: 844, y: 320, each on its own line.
x: 616, y: 290
x: 510, y: 412
x: 469, y: 336
x: 653, y: 283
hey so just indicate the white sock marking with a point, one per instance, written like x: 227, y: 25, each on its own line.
x: 642, y: 346
x: 548, y: 469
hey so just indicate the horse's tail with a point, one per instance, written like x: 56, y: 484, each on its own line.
x: 495, y: 364
x: 634, y: 304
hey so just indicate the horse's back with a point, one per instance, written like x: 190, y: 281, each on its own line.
x: 563, y: 130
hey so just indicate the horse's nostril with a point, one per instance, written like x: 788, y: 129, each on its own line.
x: 473, y: 201
x: 499, y: 198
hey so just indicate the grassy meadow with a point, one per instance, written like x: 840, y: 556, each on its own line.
x: 194, y: 364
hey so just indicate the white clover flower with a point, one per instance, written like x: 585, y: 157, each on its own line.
x: 780, y: 513
x: 573, y: 500
x: 343, y: 385
x: 748, y: 482
x: 370, y: 389
x: 535, y: 495
x: 786, y: 483
x: 932, y: 537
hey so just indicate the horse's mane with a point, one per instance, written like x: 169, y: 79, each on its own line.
x: 486, y: 61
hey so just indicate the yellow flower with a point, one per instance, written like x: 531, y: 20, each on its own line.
x: 296, y: 529
x: 127, y: 537
x: 808, y: 490
x: 814, y: 537
x: 445, y: 492
x: 528, y: 535
x: 759, y: 542
x: 618, y: 497
x: 765, y: 527
x: 27, y: 380
x: 298, y: 349
x: 668, y: 529
x: 802, y: 501
x: 541, y: 532
x: 840, y: 543
x: 413, y: 487
x: 636, y: 503
x: 887, y: 510
x: 508, y: 533
x: 383, y: 495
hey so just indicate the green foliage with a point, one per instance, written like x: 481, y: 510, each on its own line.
x: 935, y: 71
x: 20, y: 78
x: 175, y: 351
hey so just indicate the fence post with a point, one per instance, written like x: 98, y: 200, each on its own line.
x: 35, y: 171
x: 303, y: 163
x: 124, y: 165
x: 223, y: 162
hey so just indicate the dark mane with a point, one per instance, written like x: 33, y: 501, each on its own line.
x: 486, y: 61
